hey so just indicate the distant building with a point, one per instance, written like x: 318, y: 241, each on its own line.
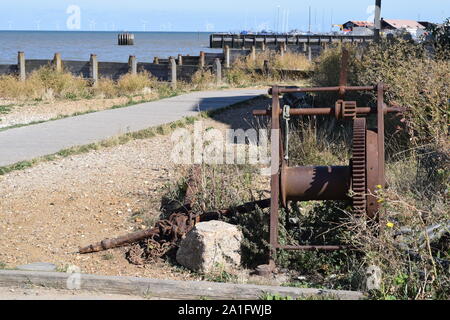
x: 427, y: 24
x: 396, y: 26
x: 388, y: 26
x: 351, y: 25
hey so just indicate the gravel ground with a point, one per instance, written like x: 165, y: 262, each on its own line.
x: 48, y: 211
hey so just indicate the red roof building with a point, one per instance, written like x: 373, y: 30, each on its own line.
x: 348, y: 26
x: 395, y: 24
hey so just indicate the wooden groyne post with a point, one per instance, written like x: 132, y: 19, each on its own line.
x: 132, y: 63
x: 253, y: 53
x: 94, y: 69
x: 281, y: 50
x: 218, y: 70
x: 202, y: 59
x: 266, y: 67
x: 227, y: 56
x: 57, y: 62
x: 173, y: 73
x: 21, y: 66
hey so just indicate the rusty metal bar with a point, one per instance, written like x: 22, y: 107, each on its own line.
x: 120, y: 241
x: 380, y: 131
x: 327, y: 111
x: 344, y: 73
x: 324, y: 89
x: 275, y: 175
x: 318, y: 247
x: 244, y: 208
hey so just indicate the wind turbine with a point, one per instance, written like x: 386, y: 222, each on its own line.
x: 92, y: 24
x: 278, y: 20
x: 287, y: 20
x: 38, y: 24
x: 144, y: 25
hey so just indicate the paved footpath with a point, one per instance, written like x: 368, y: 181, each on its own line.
x: 38, y: 140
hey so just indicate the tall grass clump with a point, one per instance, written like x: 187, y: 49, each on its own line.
x: 47, y: 84
x: 203, y: 79
x: 417, y: 80
x: 288, y: 61
x: 135, y: 83
x: 44, y: 83
x: 247, y: 70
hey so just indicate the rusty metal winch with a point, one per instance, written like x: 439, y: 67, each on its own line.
x: 356, y: 182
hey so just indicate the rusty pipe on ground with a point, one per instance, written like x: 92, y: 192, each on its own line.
x: 246, y: 207
x: 120, y: 241
x: 178, y: 224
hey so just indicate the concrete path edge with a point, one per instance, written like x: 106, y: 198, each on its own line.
x: 173, y: 289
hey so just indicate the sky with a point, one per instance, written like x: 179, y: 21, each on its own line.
x: 213, y: 16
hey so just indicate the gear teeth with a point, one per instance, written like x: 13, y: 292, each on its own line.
x: 359, y: 166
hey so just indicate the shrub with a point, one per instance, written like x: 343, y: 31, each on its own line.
x: 106, y: 88
x: 246, y: 71
x: 440, y: 35
x: 45, y: 83
x: 203, y: 79
x: 130, y: 84
x: 414, y: 265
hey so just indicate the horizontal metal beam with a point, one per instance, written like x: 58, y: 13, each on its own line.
x: 327, y: 111
x: 312, y: 247
x: 324, y: 89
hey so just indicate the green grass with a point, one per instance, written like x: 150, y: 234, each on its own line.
x: 7, y: 108
x: 108, y: 256
x: 302, y: 284
x: 276, y: 296
x: 219, y: 274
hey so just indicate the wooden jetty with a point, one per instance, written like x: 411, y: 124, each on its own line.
x: 220, y: 40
